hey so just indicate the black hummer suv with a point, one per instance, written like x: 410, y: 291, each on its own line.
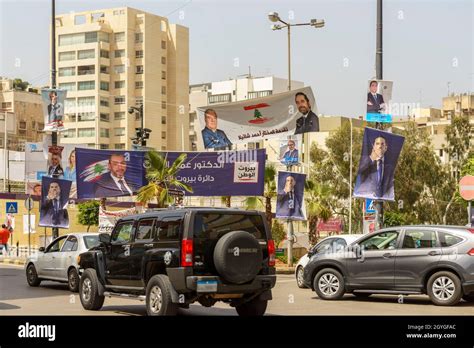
x: 173, y: 257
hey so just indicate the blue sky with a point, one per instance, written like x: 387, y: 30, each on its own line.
x: 426, y: 44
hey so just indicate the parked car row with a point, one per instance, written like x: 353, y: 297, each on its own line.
x: 433, y: 260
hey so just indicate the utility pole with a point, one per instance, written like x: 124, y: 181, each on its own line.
x: 54, y: 135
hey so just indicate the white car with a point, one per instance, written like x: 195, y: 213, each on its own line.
x: 58, y: 261
x: 329, y: 243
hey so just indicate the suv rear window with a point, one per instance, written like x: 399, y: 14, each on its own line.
x: 447, y: 239
x: 215, y: 225
x: 91, y: 241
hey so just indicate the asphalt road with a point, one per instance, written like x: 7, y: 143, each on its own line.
x: 17, y: 298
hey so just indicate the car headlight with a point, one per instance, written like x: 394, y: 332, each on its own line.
x: 78, y: 259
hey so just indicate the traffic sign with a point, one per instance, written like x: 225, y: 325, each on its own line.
x: 12, y: 208
x: 466, y: 187
x: 29, y: 203
x: 369, y: 206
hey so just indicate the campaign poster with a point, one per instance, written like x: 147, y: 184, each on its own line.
x: 379, y: 95
x: 108, y: 219
x: 54, y: 201
x: 36, y: 156
x: 277, y: 115
x: 289, y: 152
x: 53, y: 109
x: 375, y: 177
x: 290, y: 196
x: 33, y: 188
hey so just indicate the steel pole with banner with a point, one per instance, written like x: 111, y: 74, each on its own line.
x: 29, y: 206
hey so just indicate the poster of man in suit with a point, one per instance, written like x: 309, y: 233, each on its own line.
x: 290, y: 199
x: 308, y: 121
x: 379, y: 95
x: 53, y: 108
x: 375, y: 177
x: 289, y: 154
x: 54, y: 200
x: 114, y: 182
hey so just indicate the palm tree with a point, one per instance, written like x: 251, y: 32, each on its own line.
x: 161, y: 178
x: 317, y: 198
x: 254, y: 202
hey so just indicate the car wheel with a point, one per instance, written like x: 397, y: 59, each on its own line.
x: 329, y: 284
x: 444, y: 289
x: 32, y: 276
x: 89, y: 290
x: 299, y: 277
x: 254, y: 307
x: 73, y: 280
x: 468, y: 298
x: 158, y: 297
x: 361, y: 294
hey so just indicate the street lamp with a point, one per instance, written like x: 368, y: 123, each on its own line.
x: 274, y: 17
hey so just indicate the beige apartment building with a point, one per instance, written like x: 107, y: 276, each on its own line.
x: 24, y: 115
x: 109, y: 60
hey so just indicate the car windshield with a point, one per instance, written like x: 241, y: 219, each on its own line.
x: 91, y: 241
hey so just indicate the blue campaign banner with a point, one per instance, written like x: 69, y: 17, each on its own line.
x: 382, y: 118
x: 106, y: 173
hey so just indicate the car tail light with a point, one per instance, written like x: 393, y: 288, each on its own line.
x: 471, y: 230
x: 186, y: 253
x: 271, y: 253
x: 471, y: 252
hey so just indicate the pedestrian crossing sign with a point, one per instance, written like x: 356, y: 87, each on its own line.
x: 12, y: 208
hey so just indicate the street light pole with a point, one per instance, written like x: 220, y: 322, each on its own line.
x: 54, y: 135
x: 289, y: 58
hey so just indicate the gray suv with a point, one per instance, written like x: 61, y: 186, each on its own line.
x: 433, y: 260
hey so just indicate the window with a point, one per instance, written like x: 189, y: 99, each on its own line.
x: 144, y: 230
x: 86, y: 70
x: 6, y: 105
x: 119, y: 146
x: 211, y: 226
x: 104, y: 36
x: 86, y: 103
x: 163, y: 119
x: 104, y: 86
x: 441, y: 153
x: 120, y: 84
x: 69, y: 86
x: 104, y: 53
x: 70, y: 244
x: 86, y: 116
x: 138, y: 37
x: 71, y: 71
x: 259, y: 94
x: 163, y: 105
x: 69, y: 105
x: 104, y: 69
x: 79, y: 38
x: 163, y: 135
x: 104, y: 102
x: 119, y: 69
x: 119, y: 99
x: 56, y: 245
x: 104, y: 146
x: 91, y: 37
x: 169, y: 228
x: 86, y: 132
x: 163, y: 90
x: 448, y: 240
x: 119, y: 53
x: 69, y: 133
x: 97, y: 16
x: 330, y: 245
x: 70, y: 117
x: 139, y: 69
x: 220, y: 98
x: 79, y: 19
x: 138, y: 84
x: 85, y: 85
x: 122, y: 233
x: 119, y: 37
x: 119, y: 115
x: 419, y: 239
x: 163, y: 44
x: 104, y: 117
x: 64, y: 56
x: 163, y: 75
x: 380, y: 241
x: 118, y: 132
x: 139, y: 101
x: 85, y: 54
x: 163, y: 60
x: 91, y: 241
x: 104, y: 132
x: 139, y: 54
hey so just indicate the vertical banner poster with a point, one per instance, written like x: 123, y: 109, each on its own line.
x: 379, y: 95
x: 53, y: 109
x: 289, y: 153
x: 106, y: 173
x: 290, y: 196
x: 287, y: 113
x: 375, y: 177
x: 54, y: 200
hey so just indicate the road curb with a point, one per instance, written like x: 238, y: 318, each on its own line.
x: 13, y: 261
x: 285, y: 270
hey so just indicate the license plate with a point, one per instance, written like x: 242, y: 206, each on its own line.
x: 207, y: 286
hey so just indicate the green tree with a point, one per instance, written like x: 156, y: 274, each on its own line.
x: 317, y: 197
x: 161, y: 178
x: 20, y: 84
x: 88, y: 214
x: 278, y: 232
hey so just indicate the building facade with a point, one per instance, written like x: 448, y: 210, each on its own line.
x: 110, y: 60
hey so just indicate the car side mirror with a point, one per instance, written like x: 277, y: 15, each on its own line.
x: 41, y: 249
x: 104, y: 238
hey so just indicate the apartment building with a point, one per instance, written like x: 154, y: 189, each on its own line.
x: 109, y: 60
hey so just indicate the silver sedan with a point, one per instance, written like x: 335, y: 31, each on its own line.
x: 58, y: 261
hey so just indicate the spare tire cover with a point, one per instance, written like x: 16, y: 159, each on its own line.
x: 238, y: 257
